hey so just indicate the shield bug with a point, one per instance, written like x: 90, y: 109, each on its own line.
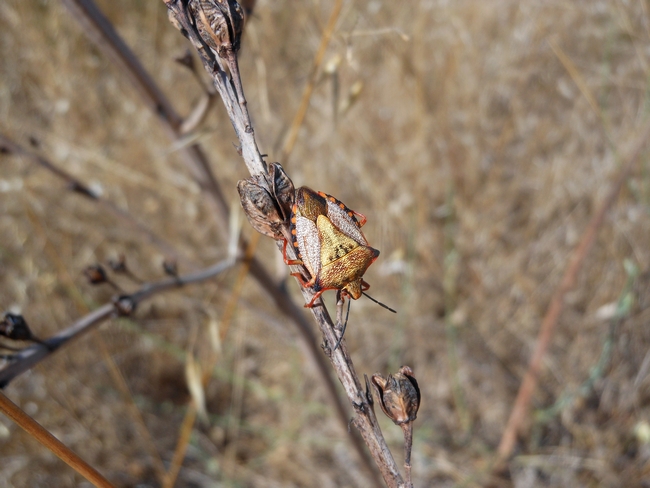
x: 267, y: 200
x: 327, y: 236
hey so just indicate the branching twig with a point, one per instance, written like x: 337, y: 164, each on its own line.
x: 365, y: 420
x: 529, y: 383
x: 121, y: 305
x: 101, y: 32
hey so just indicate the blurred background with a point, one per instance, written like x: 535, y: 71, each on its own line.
x: 477, y: 137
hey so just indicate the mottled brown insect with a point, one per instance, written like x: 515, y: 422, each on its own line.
x: 329, y: 241
x: 325, y: 233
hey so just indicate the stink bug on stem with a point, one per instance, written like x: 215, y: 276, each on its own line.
x: 325, y: 233
x: 327, y: 236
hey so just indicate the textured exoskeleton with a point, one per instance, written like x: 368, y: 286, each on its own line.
x: 329, y: 241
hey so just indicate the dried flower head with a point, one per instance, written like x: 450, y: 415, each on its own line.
x: 14, y: 326
x: 124, y: 305
x: 95, y: 274
x: 399, y: 395
x: 220, y: 24
x: 267, y: 200
x: 118, y: 265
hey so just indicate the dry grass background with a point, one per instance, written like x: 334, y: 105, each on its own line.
x: 476, y: 156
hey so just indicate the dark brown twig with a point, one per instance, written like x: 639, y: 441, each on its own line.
x: 529, y: 383
x: 121, y: 305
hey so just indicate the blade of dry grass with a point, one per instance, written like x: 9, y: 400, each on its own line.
x: 41, y: 434
x: 582, y: 85
x: 309, y: 88
x: 134, y: 411
x: 181, y: 447
x: 529, y: 383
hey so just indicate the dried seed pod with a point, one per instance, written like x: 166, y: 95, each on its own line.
x: 118, y: 265
x: 267, y: 200
x: 398, y: 395
x: 14, y: 326
x: 96, y: 274
x: 220, y: 24
x: 282, y: 188
x: 124, y: 305
x: 259, y: 207
x: 170, y: 267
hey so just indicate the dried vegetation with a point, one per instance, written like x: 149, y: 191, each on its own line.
x: 477, y: 139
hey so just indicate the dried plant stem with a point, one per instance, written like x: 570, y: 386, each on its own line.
x: 63, y: 452
x: 101, y: 32
x: 365, y: 420
x: 407, y: 429
x: 309, y: 88
x: 32, y: 355
x: 181, y: 447
x: 7, y: 146
x: 529, y: 383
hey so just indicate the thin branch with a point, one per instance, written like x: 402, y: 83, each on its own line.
x: 181, y: 447
x: 365, y: 420
x: 7, y: 146
x: 529, y: 383
x: 309, y: 88
x: 63, y: 452
x: 100, y: 31
x: 121, y: 305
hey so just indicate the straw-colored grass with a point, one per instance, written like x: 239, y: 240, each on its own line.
x: 478, y: 148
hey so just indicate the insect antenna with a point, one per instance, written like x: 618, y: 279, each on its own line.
x: 379, y: 303
x: 345, y: 324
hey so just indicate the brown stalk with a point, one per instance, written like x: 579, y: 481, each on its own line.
x: 365, y: 420
x: 121, y: 305
x: 529, y: 383
x: 101, y: 32
x: 63, y: 452
x: 309, y: 88
x: 181, y: 447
